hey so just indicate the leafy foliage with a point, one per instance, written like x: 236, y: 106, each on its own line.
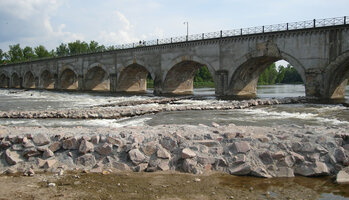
x: 284, y: 75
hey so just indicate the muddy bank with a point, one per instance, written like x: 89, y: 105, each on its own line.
x: 165, y: 185
x: 280, y: 151
x: 142, y: 107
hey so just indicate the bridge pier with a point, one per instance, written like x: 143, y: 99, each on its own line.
x: 81, y: 85
x: 113, y: 81
x: 221, y: 83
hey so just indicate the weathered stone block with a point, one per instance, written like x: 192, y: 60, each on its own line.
x: 41, y: 139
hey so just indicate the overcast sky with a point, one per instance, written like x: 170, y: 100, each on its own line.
x: 111, y: 22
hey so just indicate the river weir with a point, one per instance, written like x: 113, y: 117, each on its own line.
x: 277, y: 135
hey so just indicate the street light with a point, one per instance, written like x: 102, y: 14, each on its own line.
x: 187, y: 29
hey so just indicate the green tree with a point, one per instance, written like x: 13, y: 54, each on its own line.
x: 15, y: 53
x: 41, y: 52
x: 78, y: 47
x: 291, y: 75
x: 2, y: 56
x: 62, y: 50
x: 203, y: 75
x: 281, y: 74
x: 110, y: 48
x: 28, y: 53
x: 268, y: 76
x: 95, y: 47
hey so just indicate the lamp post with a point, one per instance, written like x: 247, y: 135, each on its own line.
x: 187, y: 29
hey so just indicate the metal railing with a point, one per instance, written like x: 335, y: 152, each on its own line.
x: 315, y: 23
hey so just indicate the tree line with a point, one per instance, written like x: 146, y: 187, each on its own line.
x: 18, y: 54
x: 284, y: 75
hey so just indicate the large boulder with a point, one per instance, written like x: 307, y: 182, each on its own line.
x: 12, y: 157
x: 87, y: 160
x: 41, y: 139
x: 241, y: 147
x: 188, y: 153
x: 86, y: 146
x: 312, y: 169
x: 343, y: 176
x: 137, y: 156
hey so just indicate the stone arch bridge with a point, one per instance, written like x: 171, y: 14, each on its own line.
x: 318, y: 49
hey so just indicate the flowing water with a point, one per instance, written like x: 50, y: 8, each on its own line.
x: 297, y: 114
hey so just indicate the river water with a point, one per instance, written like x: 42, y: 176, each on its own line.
x: 297, y: 114
x: 330, y: 115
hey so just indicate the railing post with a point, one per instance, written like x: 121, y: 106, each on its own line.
x: 157, y: 41
x: 263, y: 29
x: 287, y: 26
x: 345, y: 20
x: 171, y: 40
x: 314, y: 23
x: 187, y: 38
x: 133, y: 45
x: 203, y: 36
x: 240, y: 31
x: 221, y: 33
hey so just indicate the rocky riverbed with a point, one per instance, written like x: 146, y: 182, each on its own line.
x: 280, y: 151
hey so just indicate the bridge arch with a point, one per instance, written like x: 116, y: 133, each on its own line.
x: 68, y: 80
x: 243, y: 80
x: 97, y: 78
x: 336, y: 77
x: 179, y: 78
x: 15, y: 80
x: 29, y: 80
x: 47, y: 80
x: 133, y: 78
x: 4, y: 80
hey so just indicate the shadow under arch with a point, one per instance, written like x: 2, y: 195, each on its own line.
x: 97, y: 79
x: 336, y: 77
x: 243, y: 82
x: 180, y: 78
x: 29, y: 80
x: 47, y: 80
x: 4, y: 80
x: 15, y: 80
x: 133, y: 78
x: 69, y: 80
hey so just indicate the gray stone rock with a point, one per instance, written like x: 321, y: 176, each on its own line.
x: 137, y: 156
x: 49, y: 163
x: 48, y: 153
x: 55, y: 146
x: 17, y: 147
x: 239, y: 159
x: 286, y: 162
x: 312, y: 169
x: 70, y: 143
x: 343, y: 176
x: 5, y: 144
x: 105, y: 149
x: 149, y: 148
x: 163, y: 153
x: 12, y: 157
x: 168, y: 143
x: 87, y: 160
x: 260, y: 172
x: 13, y: 139
x: 285, y: 172
x: 189, y: 165
x: 297, y: 157
x: 95, y: 139
x: 41, y: 139
x: 243, y: 169
x: 266, y: 158
x: 115, y: 141
x: 241, y: 147
x: 86, y: 146
x: 31, y: 152
x: 121, y: 166
x: 187, y: 153
x: 297, y: 146
x: 339, y: 154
